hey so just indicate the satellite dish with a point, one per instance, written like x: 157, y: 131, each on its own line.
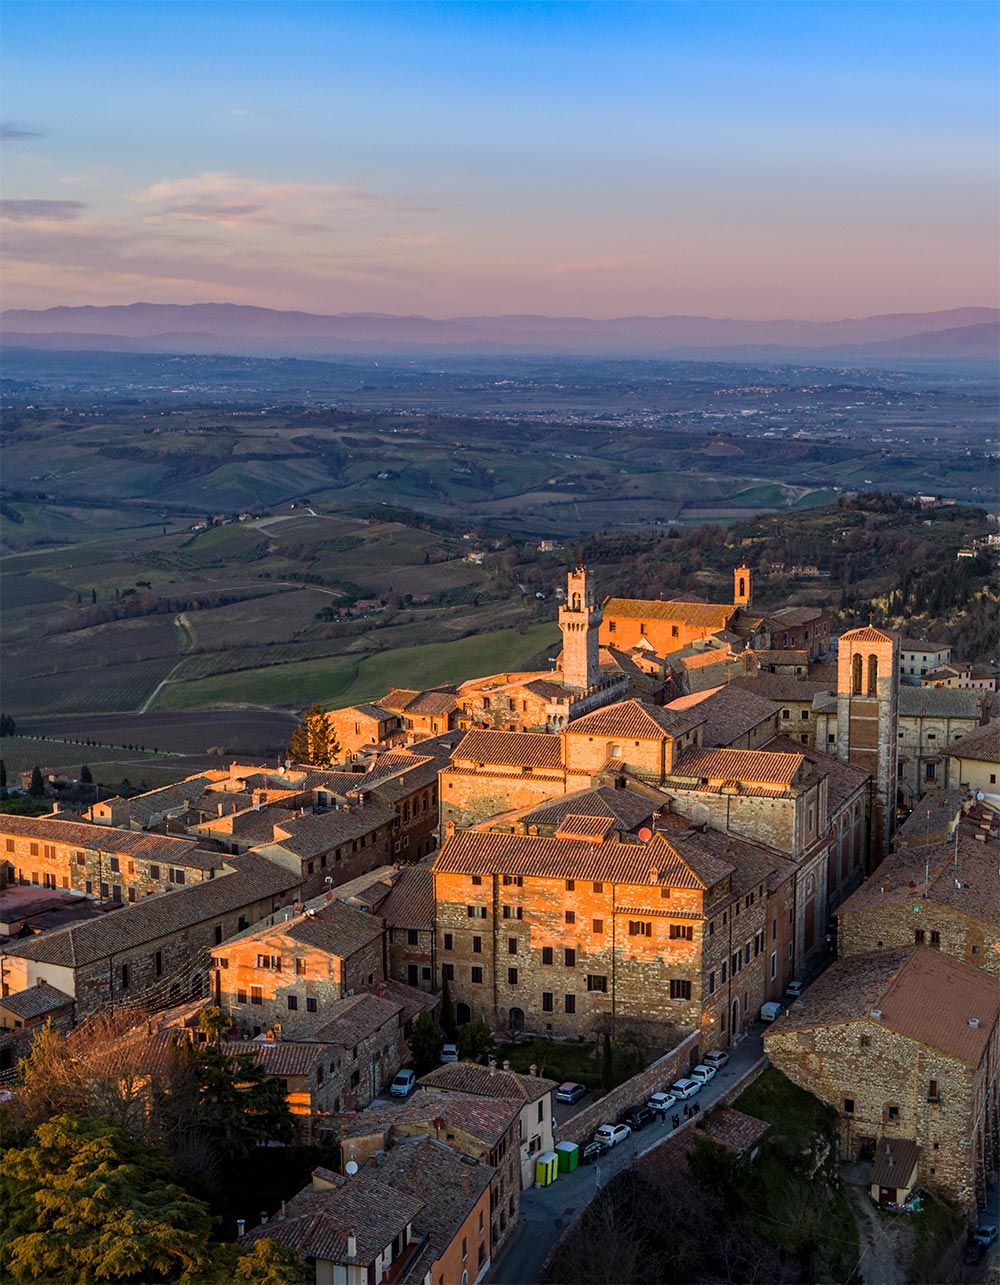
x: 980, y: 796
x: 351, y: 1168
x: 645, y: 834
x: 700, y: 815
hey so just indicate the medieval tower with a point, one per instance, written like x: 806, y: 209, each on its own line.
x: 867, y: 700
x: 579, y: 620
x: 742, y: 586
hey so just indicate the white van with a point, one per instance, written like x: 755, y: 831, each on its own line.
x: 770, y: 1011
x: 403, y: 1085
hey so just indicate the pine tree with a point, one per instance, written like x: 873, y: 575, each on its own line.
x: 314, y: 741
x: 86, y: 776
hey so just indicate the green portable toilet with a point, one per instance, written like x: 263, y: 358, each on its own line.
x: 546, y: 1169
x: 569, y: 1156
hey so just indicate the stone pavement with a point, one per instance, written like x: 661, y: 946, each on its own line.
x: 547, y: 1211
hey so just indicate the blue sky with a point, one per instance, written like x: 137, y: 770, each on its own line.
x: 809, y: 159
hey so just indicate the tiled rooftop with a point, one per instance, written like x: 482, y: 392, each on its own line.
x: 697, y: 615
x: 518, y: 749
x: 635, y: 720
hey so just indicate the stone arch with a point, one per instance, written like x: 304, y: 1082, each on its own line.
x: 463, y: 1015
x: 515, y: 1019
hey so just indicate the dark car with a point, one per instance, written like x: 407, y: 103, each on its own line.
x: 975, y: 1251
x: 592, y: 1151
x: 637, y: 1117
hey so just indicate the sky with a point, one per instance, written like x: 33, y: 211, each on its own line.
x: 804, y: 159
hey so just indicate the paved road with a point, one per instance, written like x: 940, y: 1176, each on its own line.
x: 547, y: 1211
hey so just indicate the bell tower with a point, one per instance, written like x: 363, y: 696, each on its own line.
x: 579, y: 620
x: 742, y: 585
x: 867, y: 721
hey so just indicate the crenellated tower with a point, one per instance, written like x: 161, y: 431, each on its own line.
x: 867, y: 720
x: 580, y: 619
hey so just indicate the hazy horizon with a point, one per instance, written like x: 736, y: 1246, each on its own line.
x: 724, y: 160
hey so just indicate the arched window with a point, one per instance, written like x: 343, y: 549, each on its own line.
x: 872, y: 675
x: 856, y: 675
x: 576, y: 602
x: 743, y: 587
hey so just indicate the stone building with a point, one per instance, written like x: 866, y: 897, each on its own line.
x: 579, y: 621
x: 360, y: 727
x: 24, y: 1012
x: 733, y: 716
x: 799, y: 628
x: 423, y: 714
x: 797, y: 699
x: 282, y: 973
x: 530, y: 1094
x: 155, y: 951
x: 568, y: 933
x: 917, y: 658
x: 903, y: 1044
x: 105, y: 862
x: 867, y: 726
x: 662, y: 626
x: 408, y: 915
x: 484, y: 1129
x: 938, y: 888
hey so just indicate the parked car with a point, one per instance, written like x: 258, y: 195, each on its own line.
x: 685, y: 1088
x: 770, y: 1010
x: 636, y: 1117
x: 612, y: 1134
x: 974, y: 1252
x: 986, y: 1234
x: 704, y: 1074
x: 794, y: 989
x: 718, y: 1059
x: 449, y: 1053
x: 403, y: 1085
x: 592, y: 1151
x: 571, y: 1092
x: 660, y: 1103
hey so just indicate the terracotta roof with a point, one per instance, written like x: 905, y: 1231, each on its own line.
x: 349, y: 1020
x: 137, y: 844
x: 433, y: 703
x: 316, y: 1222
x: 411, y: 902
x: 919, y: 993
x: 729, y: 712
x: 335, y: 928
x: 281, y: 1057
x: 314, y: 833
x: 755, y: 766
x: 843, y: 780
x: 937, y: 811
x: 867, y: 633
x: 782, y: 656
x: 254, y: 878
x: 484, y: 1081
x: 782, y: 687
x: 626, y: 808
x: 677, y: 865
x: 734, y: 1130
x: 937, y: 702
x: 575, y: 826
x: 519, y: 749
x: 707, y: 659
x: 450, y: 1184
x: 634, y: 720
x: 36, y: 1001
x: 981, y: 744
x: 375, y: 712
x: 699, y: 615
x: 485, y: 1118
x: 794, y: 617
x: 895, y: 1162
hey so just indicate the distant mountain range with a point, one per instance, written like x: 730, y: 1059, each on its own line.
x: 236, y: 328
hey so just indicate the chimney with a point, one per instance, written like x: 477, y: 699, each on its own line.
x: 449, y: 829
x: 241, y: 1226
x: 493, y: 1066
x: 506, y: 1064
x: 533, y: 1069
x: 352, y: 1245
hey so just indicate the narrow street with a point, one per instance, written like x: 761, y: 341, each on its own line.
x: 547, y: 1211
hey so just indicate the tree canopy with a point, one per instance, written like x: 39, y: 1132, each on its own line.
x: 314, y: 740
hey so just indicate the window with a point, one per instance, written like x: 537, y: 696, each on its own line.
x: 477, y: 974
x: 241, y: 997
x: 598, y: 887
x: 256, y: 995
x: 569, y: 1005
x: 681, y: 932
x: 311, y: 1005
x: 570, y: 885
x: 355, y: 1079
x: 449, y: 941
x: 849, y: 1102
x: 598, y: 925
x: 571, y: 916
x: 774, y: 964
x: 597, y: 982
x: 546, y: 954
x: 516, y: 880
x: 158, y: 963
x: 269, y: 961
x: 412, y: 937
x: 680, y: 988
x: 805, y: 714
x: 293, y: 1002
x: 935, y: 937
x: 511, y: 945
x: 892, y: 1112
x: 725, y: 971
x: 675, y: 631
x: 477, y: 945
x: 918, y: 936
x: 448, y: 972
x: 113, y: 862
x: 512, y: 976
x: 124, y: 977
x: 932, y: 1092
x: 640, y: 928
x: 218, y: 934
x: 176, y: 876
x: 546, y: 1001
x: 300, y: 968
x: 511, y: 912
x: 477, y: 881
x: 570, y: 957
